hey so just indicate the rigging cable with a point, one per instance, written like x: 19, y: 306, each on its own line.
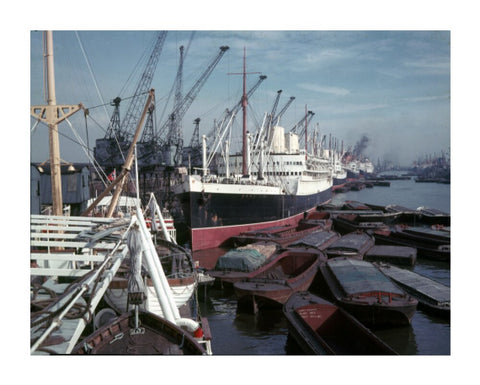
x: 91, y: 72
x: 86, y: 149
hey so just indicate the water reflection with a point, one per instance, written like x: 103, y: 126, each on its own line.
x: 265, y: 321
x: 400, y: 339
x: 432, y: 334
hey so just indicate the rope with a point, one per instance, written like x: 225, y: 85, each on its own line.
x: 32, y: 130
x: 91, y: 72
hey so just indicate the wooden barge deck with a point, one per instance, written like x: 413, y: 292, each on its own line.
x: 432, y: 296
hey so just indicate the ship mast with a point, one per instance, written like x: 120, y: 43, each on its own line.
x: 306, y: 130
x: 52, y: 115
x: 244, y: 108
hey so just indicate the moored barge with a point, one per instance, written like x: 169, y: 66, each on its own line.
x: 432, y: 296
x: 320, y: 327
x: 271, y: 285
x: 352, y: 245
x: 363, y: 290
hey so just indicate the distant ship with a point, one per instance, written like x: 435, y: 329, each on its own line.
x: 272, y: 182
x: 339, y: 175
x: 357, y: 168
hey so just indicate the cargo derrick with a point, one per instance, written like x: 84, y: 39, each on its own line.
x: 227, y: 115
x: 273, y: 119
x: 276, y: 119
x: 109, y: 150
x: 270, y: 117
x: 193, y: 153
x: 303, y: 123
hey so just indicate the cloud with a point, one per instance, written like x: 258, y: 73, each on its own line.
x: 337, y: 91
x: 429, y: 66
x: 352, y: 108
x: 427, y: 98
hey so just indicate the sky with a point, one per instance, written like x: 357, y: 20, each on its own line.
x: 392, y: 86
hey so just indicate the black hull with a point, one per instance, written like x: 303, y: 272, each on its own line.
x: 211, y: 210
x: 210, y: 220
x: 339, y: 181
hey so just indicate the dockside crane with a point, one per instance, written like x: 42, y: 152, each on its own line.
x: 175, y: 133
x: 195, y: 141
x: 109, y: 150
x: 114, y: 125
x: 140, y: 95
x: 180, y: 110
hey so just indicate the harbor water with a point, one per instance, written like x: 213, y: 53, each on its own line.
x: 266, y: 333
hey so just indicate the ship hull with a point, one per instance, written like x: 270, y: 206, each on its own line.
x: 212, y: 217
x: 339, y: 182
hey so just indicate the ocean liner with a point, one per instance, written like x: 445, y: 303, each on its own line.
x: 272, y: 182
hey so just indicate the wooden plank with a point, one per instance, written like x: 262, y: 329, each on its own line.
x: 73, y: 237
x: 68, y: 257
x: 70, y: 330
x: 56, y: 218
x: 71, y: 228
x: 77, y: 245
x: 54, y: 224
x: 52, y: 236
x: 58, y: 272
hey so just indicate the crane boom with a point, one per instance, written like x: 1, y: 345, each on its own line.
x: 300, y: 123
x: 134, y: 110
x: 195, y: 141
x: 282, y: 111
x: 261, y: 78
x: 174, y: 132
x: 274, y: 108
x: 180, y: 110
x: 308, y: 117
x: 237, y: 107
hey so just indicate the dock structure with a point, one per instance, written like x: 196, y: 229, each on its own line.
x: 431, y: 295
x: 86, y: 254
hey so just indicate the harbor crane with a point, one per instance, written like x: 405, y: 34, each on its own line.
x: 134, y: 110
x: 171, y: 139
x: 175, y: 134
x: 195, y: 141
x: 109, y: 150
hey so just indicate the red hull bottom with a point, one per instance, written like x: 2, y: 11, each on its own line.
x: 211, y: 237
